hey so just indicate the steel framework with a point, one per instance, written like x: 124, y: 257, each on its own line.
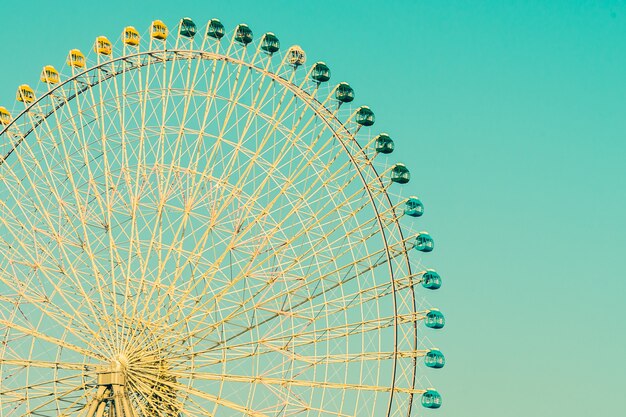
x: 192, y: 231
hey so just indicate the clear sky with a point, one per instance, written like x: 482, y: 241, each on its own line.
x: 511, y: 115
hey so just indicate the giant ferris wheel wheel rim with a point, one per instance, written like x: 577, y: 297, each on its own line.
x: 120, y: 371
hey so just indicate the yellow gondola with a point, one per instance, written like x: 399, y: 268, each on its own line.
x: 158, y: 30
x: 103, y: 46
x: 49, y: 75
x: 25, y: 94
x: 76, y: 59
x: 5, y: 116
x: 131, y: 36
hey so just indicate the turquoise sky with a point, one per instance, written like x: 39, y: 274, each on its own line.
x: 511, y: 115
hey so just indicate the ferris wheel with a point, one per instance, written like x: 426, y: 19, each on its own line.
x: 197, y: 224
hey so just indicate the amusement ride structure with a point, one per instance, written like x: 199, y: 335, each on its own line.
x: 196, y: 224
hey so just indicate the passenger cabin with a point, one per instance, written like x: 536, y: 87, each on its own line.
x: 270, y: 43
x: 76, y: 59
x: 5, y: 116
x: 384, y: 144
x: 424, y: 242
x: 434, y: 319
x: 243, y: 34
x: 400, y: 174
x: 365, y: 116
x: 344, y: 93
x: 49, y: 75
x: 296, y: 56
x: 320, y: 72
x: 187, y: 28
x: 131, y: 36
x: 103, y: 46
x: 431, y: 398
x: 413, y: 207
x: 434, y: 359
x: 215, y: 29
x: 431, y: 280
x: 25, y: 94
x: 158, y: 30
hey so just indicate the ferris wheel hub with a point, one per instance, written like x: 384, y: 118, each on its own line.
x: 121, y: 362
x: 111, y: 377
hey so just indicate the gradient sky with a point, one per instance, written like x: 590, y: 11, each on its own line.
x: 511, y: 115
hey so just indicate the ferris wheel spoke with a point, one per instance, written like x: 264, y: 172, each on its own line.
x: 294, y: 403
x: 245, y: 352
x: 174, y: 248
x: 358, y: 357
x: 196, y: 408
x: 141, y: 401
x: 46, y: 270
x: 90, y: 194
x: 232, y: 103
x: 227, y: 288
x: 324, y: 334
x: 302, y: 232
x: 140, y: 175
x: 281, y: 343
x: 300, y: 383
x: 83, y: 334
x: 305, y: 281
x: 155, y: 396
x: 174, y: 152
x: 29, y: 391
x: 253, y: 110
x: 44, y: 303
x: 50, y: 339
x: 169, y: 172
x: 45, y: 364
x: 271, y: 129
x: 196, y: 156
x: 300, y: 406
x: 309, y: 279
x: 63, y: 141
x: 323, y: 360
x: 339, y: 250
x: 308, y: 337
x: 105, y: 199
x: 269, y: 174
x: 65, y: 396
x: 155, y: 235
x: 346, y: 330
x: 189, y: 92
x: 206, y: 234
x: 237, y: 91
x: 293, y: 211
x: 193, y: 392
